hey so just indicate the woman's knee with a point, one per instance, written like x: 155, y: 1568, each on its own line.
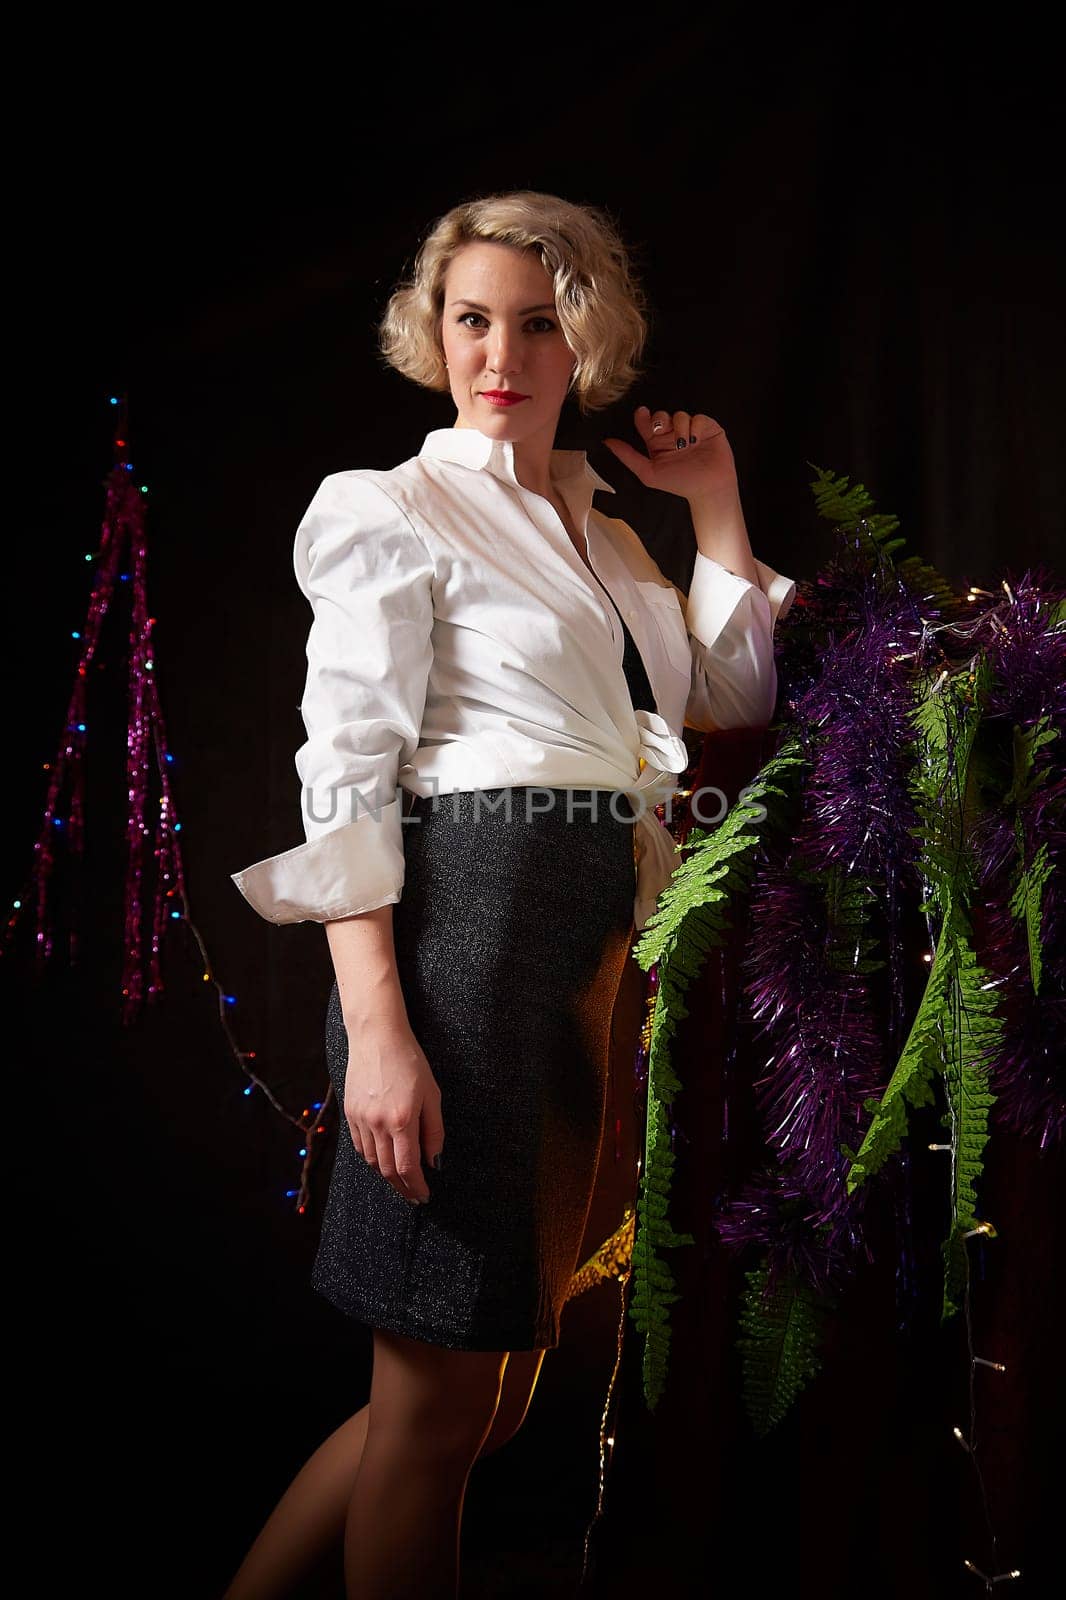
x: 448, y: 1398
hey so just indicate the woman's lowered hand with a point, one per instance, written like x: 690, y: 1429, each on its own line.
x: 392, y: 1103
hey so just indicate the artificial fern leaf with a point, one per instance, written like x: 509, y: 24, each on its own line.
x: 960, y: 999
x: 781, y: 1333
x: 1026, y: 742
x: 653, y: 1288
x: 689, y: 921
x: 946, y: 718
x: 849, y: 903
x: 716, y: 857
x: 973, y: 1037
x: 1027, y: 895
x: 929, y: 586
x: 912, y: 1079
x: 850, y: 508
x: 1025, y: 902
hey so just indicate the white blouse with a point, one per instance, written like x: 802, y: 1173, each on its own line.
x: 459, y: 641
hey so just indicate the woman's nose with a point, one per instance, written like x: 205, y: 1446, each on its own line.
x: 503, y: 350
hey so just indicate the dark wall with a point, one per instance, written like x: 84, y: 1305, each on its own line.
x: 846, y: 234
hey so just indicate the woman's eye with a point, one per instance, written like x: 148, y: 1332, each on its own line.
x: 545, y: 324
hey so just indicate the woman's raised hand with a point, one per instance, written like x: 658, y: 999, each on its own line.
x: 685, y: 454
x: 392, y: 1104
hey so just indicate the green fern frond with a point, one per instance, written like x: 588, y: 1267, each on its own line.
x: 957, y: 1030
x: 928, y: 586
x: 851, y: 508
x: 781, y: 1335
x: 973, y: 1036
x: 1026, y: 901
x: 716, y: 863
x: 849, y: 905
x: 944, y: 785
x: 912, y: 1079
x: 689, y: 920
x: 945, y: 719
x: 1025, y: 744
x: 654, y: 1286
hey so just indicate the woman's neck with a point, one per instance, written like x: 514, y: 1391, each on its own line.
x: 532, y: 460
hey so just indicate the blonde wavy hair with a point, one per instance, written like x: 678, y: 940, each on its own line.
x: 598, y: 299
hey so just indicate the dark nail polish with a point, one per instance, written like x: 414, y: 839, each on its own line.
x: 436, y: 1161
x: 692, y: 438
x: 682, y: 444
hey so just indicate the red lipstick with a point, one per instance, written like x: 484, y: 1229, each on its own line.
x: 503, y: 397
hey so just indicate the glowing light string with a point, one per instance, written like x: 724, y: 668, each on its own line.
x: 156, y: 891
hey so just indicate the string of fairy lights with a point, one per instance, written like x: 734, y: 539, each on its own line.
x: 619, y: 1264
x: 156, y: 893
x: 968, y: 1442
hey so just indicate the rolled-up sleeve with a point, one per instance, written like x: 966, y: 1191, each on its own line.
x: 369, y: 579
x: 731, y: 623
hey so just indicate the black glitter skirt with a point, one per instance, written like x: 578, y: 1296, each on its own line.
x: 511, y: 934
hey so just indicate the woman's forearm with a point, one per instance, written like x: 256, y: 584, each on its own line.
x: 364, y: 959
x: 722, y: 535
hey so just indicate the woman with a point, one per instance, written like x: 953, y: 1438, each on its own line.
x: 498, y: 676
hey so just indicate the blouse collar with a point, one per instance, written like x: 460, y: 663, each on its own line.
x: 472, y: 448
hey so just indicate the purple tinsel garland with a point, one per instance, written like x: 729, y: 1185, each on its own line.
x: 1028, y: 657
x: 849, y: 688
x: 829, y: 1055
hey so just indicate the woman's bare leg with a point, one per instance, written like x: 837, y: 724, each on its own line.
x: 307, y: 1525
x: 431, y: 1410
x: 307, y: 1522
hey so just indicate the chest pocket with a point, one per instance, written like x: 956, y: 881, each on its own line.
x: 662, y: 606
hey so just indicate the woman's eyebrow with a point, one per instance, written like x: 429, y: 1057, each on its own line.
x: 523, y: 313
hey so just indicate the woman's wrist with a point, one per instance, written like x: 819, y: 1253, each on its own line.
x: 364, y: 959
x: 378, y: 1004
x: 722, y: 534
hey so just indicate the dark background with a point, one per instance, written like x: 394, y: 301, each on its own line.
x: 846, y: 234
